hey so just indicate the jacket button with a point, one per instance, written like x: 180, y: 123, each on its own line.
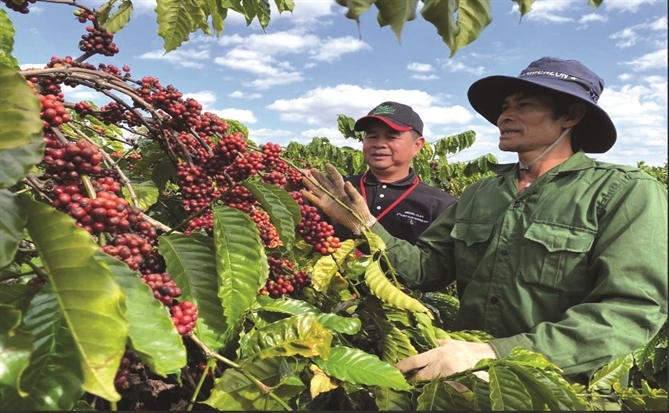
x: 505, y: 251
x: 494, y: 300
x: 518, y: 204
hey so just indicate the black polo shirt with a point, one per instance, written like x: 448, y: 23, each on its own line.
x: 408, y: 218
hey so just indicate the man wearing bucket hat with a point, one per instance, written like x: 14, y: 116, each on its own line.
x: 402, y: 203
x: 558, y: 254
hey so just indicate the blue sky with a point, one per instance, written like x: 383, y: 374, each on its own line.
x: 291, y: 81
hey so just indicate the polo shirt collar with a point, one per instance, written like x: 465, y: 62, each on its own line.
x: 371, y: 179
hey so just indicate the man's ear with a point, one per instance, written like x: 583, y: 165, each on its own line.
x: 418, y: 144
x: 575, y: 114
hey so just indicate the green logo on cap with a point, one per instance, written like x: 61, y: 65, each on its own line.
x: 383, y: 110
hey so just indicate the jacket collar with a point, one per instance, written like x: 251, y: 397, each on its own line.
x: 578, y: 161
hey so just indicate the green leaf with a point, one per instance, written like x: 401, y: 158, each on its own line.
x: 525, y: 6
x: 381, y: 287
x: 162, y: 173
x: 218, y: 14
x: 355, y: 7
x: 236, y: 392
x: 53, y: 379
x: 324, y: 269
x: 555, y: 391
x: 7, y: 33
x: 120, y: 18
x: 507, y: 392
x: 607, y: 376
x: 17, y: 162
x: 88, y: 295
x: 11, y: 226
x: 440, y: 396
x: 395, y: 13
x: 339, y: 324
x: 241, y: 263
x: 17, y: 296
x: 20, y: 121
x: 473, y: 17
x: 358, y: 367
x: 544, y: 391
x: 394, y: 344
x: 15, y: 348
x: 440, y: 14
x: 284, y: 5
x: 147, y: 194
x: 153, y: 336
x: 297, y: 335
x: 284, y: 213
x: 174, y: 23
x: 191, y: 263
x: 387, y: 399
x: 287, y: 305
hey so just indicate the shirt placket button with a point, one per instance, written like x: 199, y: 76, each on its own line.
x: 505, y: 251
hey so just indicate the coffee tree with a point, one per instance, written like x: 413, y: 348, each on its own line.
x: 152, y: 256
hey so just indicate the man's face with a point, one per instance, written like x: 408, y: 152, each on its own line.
x: 527, y: 124
x: 386, y: 150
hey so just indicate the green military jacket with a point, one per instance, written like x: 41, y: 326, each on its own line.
x: 574, y: 267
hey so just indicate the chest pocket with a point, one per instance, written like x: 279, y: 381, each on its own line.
x: 471, y: 242
x: 555, y: 258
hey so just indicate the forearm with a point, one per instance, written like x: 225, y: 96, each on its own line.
x: 424, y: 266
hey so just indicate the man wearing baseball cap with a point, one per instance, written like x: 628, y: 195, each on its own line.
x: 405, y: 206
x: 558, y: 254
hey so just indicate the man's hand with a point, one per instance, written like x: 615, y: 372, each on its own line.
x: 344, y: 192
x: 452, y: 356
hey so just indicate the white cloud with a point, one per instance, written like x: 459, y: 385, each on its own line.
x: 457, y: 66
x: 550, y: 10
x: 626, y: 5
x: 264, y: 135
x: 420, y: 67
x: 425, y: 77
x: 261, y: 55
x: 626, y: 37
x: 242, y: 115
x: 181, y: 57
x: 639, y: 113
x: 592, y: 17
x: 237, y: 94
x: 654, y: 60
x: 79, y: 93
x: 331, y: 49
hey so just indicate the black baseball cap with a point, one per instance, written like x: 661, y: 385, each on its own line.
x: 571, y: 77
x: 398, y: 116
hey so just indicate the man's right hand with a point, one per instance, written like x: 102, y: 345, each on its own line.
x: 345, y: 192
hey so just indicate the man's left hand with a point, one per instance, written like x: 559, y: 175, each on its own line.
x: 452, y: 356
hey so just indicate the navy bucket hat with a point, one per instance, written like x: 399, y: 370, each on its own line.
x: 596, y: 132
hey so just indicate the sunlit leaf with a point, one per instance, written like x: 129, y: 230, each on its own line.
x: 15, y: 163
x: 507, y: 392
x: 120, y: 18
x: 241, y: 262
x: 297, y: 335
x: 381, y: 287
x: 153, y: 336
x: 91, y: 300
x: 387, y: 399
x: 20, y: 119
x: 358, y: 367
x: 174, y: 24
x: 7, y: 33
